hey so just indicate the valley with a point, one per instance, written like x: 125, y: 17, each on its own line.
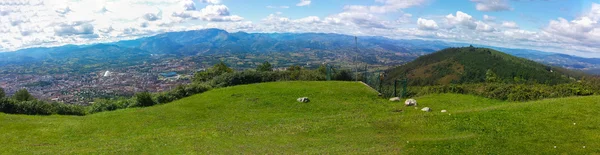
x: 74, y: 73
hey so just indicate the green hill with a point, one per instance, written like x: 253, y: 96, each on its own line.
x: 342, y: 118
x: 475, y: 65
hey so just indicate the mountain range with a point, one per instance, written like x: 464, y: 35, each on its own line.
x: 370, y: 50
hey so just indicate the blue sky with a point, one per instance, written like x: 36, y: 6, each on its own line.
x: 562, y: 26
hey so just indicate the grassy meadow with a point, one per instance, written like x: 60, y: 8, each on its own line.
x: 342, y: 118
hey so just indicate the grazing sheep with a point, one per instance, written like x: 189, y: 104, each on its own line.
x: 410, y: 102
x: 303, y: 100
x: 426, y: 109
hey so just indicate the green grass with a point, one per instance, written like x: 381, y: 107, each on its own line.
x: 342, y: 118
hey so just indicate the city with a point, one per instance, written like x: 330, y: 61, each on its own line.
x: 119, y: 82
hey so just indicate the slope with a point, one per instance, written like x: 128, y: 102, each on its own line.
x: 342, y: 118
x: 471, y: 65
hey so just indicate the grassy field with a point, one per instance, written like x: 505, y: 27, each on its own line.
x: 342, y: 118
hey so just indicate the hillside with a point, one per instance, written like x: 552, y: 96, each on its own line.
x: 474, y: 65
x: 342, y: 118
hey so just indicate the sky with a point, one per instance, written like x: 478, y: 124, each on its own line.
x: 562, y: 26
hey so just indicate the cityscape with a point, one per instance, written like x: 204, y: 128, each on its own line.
x: 108, y: 84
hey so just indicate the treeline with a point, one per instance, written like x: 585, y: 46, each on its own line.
x: 220, y: 75
x: 510, y: 92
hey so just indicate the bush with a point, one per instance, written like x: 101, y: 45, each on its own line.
x: 33, y: 108
x: 144, y: 99
x: 23, y: 95
x: 218, y: 69
x: 7, y: 105
x: 106, y: 105
x: 509, y: 92
x: 2, y: 93
x: 165, y: 97
x: 68, y: 109
x: 239, y: 78
x: 343, y: 75
x: 265, y: 67
x: 250, y: 77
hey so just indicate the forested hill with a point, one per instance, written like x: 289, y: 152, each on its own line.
x: 474, y: 65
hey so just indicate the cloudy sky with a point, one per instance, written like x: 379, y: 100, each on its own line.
x: 562, y: 26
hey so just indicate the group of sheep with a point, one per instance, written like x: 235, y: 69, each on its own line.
x: 413, y: 102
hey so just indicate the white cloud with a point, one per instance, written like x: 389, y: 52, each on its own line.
x: 27, y: 23
x: 425, y: 24
x: 74, y: 28
x: 492, y: 5
x: 510, y: 25
x: 386, y: 7
x: 274, y: 19
x: 211, y: 1
x: 581, y: 29
x: 489, y: 18
x: 304, y: 3
x: 461, y: 19
x: 309, y: 20
x: 483, y: 27
x: 215, y: 10
x: 364, y: 20
x: 584, y: 30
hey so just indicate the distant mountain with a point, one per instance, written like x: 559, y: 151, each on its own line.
x: 554, y: 59
x: 215, y: 41
x: 68, y: 59
x: 475, y: 65
x: 371, y: 50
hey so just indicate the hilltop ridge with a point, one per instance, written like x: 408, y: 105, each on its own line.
x: 475, y: 65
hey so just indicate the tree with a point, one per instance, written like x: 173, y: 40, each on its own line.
x: 216, y: 70
x: 490, y: 76
x: 144, y: 99
x: 343, y: 75
x: 203, y: 76
x: 294, y: 68
x: 23, y: 95
x: 221, y: 68
x: 322, y: 69
x: 2, y: 93
x: 265, y: 67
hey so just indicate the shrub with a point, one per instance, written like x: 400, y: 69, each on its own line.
x: 68, y: 109
x: 33, y: 108
x: 509, y: 92
x: 219, y: 69
x: 144, y: 99
x: 106, y: 105
x: 165, y: 97
x: 265, y: 67
x: 2, y: 93
x: 343, y: 75
x: 23, y: 95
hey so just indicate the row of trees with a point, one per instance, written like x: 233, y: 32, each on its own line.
x: 509, y: 92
